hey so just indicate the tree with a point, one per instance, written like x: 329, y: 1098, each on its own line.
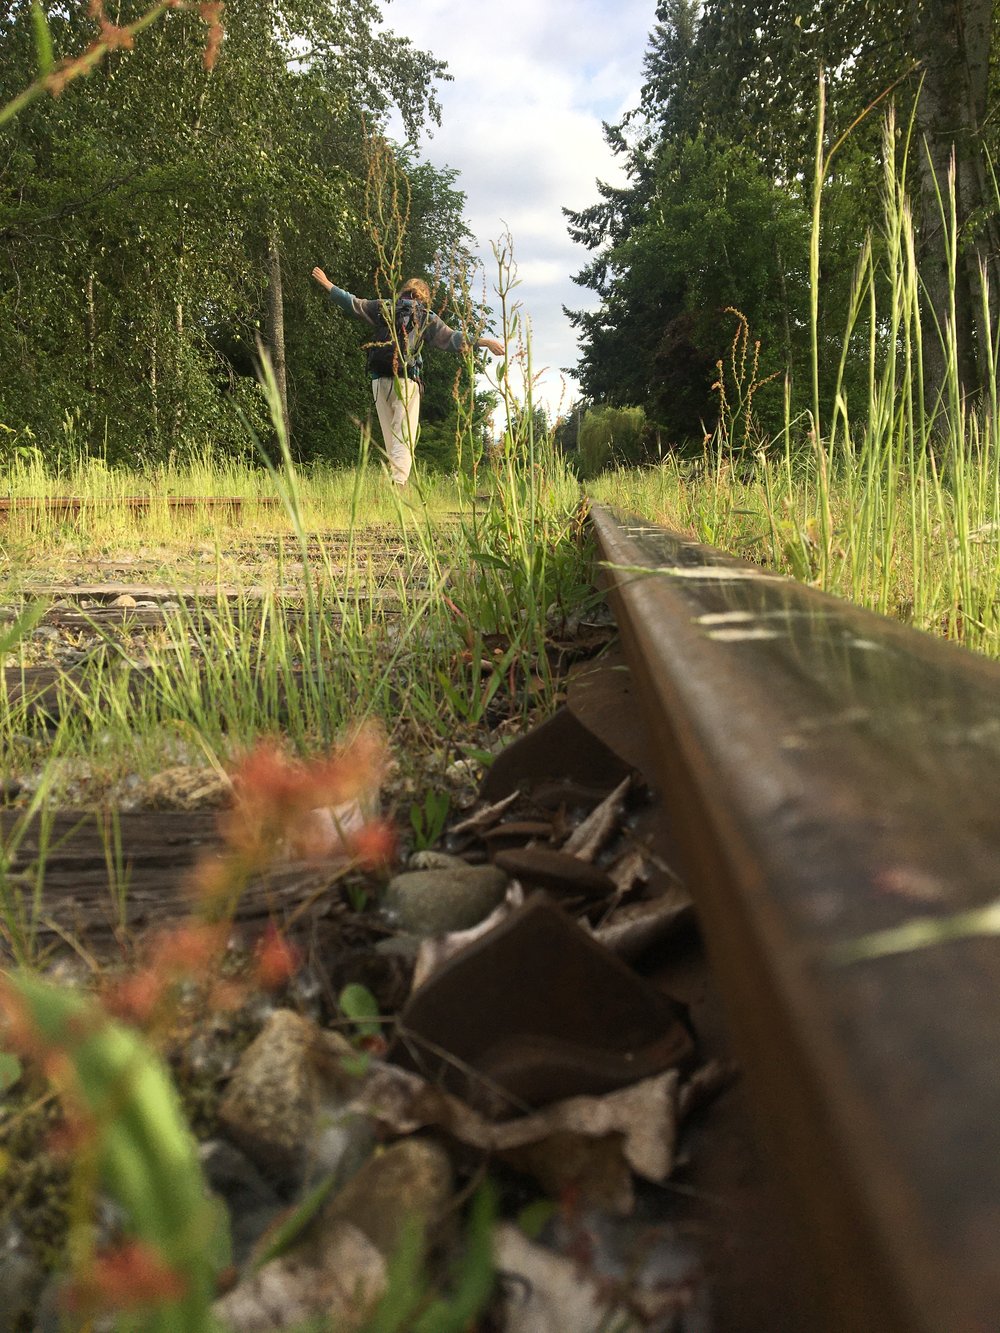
x: 725, y: 132
x: 148, y: 215
x: 951, y: 40
x: 717, y: 234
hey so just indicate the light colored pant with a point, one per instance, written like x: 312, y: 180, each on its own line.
x: 397, y: 402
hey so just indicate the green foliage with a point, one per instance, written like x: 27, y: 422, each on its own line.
x: 717, y: 209
x: 358, y: 1004
x: 716, y: 232
x: 610, y: 435
x: 10, y: 1070
x: 137, y: 208
x: 141, y: 1144
x: 428, y: 818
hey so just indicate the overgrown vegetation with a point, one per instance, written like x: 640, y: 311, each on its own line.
x: 157, y: 219
x: 889, y: 497
x: 717, y: 212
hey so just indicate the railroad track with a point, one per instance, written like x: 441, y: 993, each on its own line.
x: 831, y: 778
x: 70, y: 506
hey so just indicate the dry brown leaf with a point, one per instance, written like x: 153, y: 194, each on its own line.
x: 631, y: 929
x: 644, y: 1115
x: 486, y: 817
x: 588, y: 838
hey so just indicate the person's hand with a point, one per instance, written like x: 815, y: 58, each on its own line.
x: 493, y: 346
x: 321, y: 278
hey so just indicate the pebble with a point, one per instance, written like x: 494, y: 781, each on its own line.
x: 22, y: 1277
x: 331, y: 1282
x: 284, y: 1104
x: 252, y: 1203
x: 430, y: 860
x: 437, y: 902
x: 410, y: 1181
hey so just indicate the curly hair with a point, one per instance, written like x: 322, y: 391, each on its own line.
x: 419, y: 289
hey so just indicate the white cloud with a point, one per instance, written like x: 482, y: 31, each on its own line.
x: 532, y: 82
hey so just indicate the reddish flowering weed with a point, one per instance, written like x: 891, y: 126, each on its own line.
x: 374, y: 846
x: 112, y: 37
x: 132, y: 1275
x: 188, y: 952
x: 275, y: 961
x: 275, y: 796
x: 211, y: 16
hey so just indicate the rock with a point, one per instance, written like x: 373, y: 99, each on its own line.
x: 406, y: 947
x: 430, y: 860
x: 186, y: 787
x: 251, y: 1201
x: 285, y: 1102
x: 436, y: 902
x: 22, y: 1277
x: 543, y: 1291
x: 333, y: 1279
x: 412, y: 1179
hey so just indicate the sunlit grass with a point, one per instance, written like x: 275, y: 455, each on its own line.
x: 895, y: 502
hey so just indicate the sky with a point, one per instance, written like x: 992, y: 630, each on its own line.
x: 533, y: 80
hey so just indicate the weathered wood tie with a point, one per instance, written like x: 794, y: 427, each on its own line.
x: 833, y: 779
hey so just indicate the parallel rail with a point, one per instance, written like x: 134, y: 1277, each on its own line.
x: 70, y: 506
x: 833, y: 778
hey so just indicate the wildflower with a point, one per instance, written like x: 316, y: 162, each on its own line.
x: 211, y: 15
x: 276, y: 798
x: 188, y: 950
x: 136, y: 998
x: 374, y: 846
x: 132, y: 1275
x: 114, y: 37
x: 276, y: 959
x: 212, y: 881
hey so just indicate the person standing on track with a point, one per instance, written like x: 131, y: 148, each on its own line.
x: 401, y: 330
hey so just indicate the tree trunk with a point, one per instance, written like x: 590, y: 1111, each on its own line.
x: 276, y: 325
x: 951, y: 39
x: 154, y: 388
x: 91, y: 326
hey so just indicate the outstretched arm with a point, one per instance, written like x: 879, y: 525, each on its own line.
x: 492, y: 345
x: 366, y: 310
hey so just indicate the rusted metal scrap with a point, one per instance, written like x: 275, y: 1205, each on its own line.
x: 537, y: 1011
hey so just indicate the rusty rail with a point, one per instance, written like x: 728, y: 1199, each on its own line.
x: 832, y: 779
x: 70, y: 506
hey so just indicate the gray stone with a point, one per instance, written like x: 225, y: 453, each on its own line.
x: 436, y: 902
x: 21, y: 1278
x: 285, y: 1102
x: 252, y: 1203
x: 335, y: 1276
x: 412, y: 1179
x: 431, y: 860
x: 400, y: 946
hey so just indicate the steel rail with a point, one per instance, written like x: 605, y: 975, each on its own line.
x: 832, y: 779
x: 72, y: 505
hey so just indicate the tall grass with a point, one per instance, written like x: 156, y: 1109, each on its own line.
x: 896, y: 503
x: 307, y: 633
